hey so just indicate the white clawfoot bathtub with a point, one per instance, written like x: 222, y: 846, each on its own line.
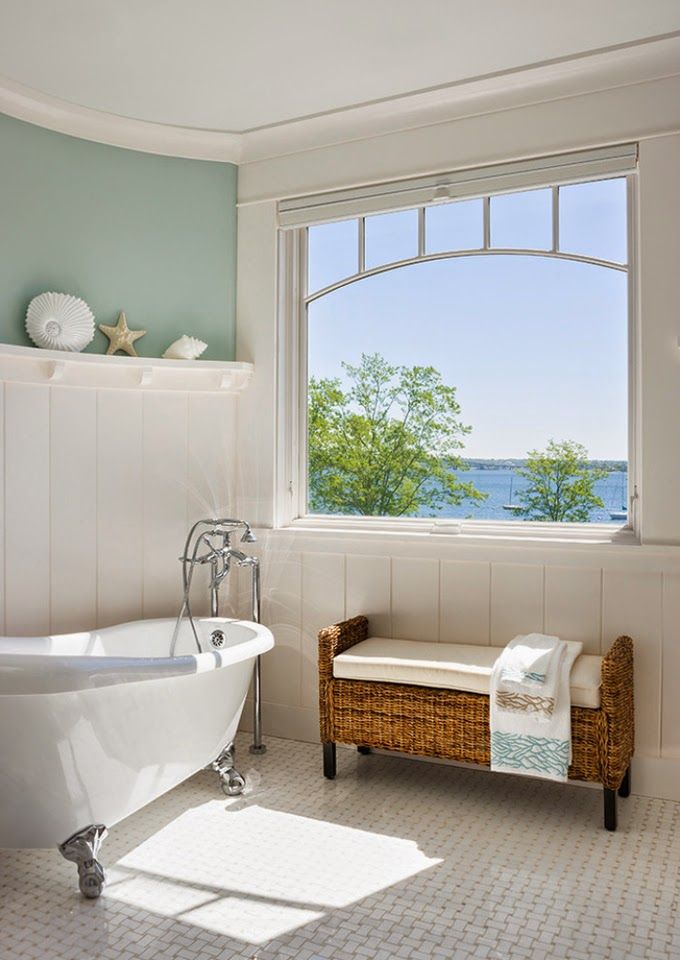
x: 95, y: 725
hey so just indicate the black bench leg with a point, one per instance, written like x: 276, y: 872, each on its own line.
x: 329, y: 765
x: 363, y: 749
x: 609, y: 809
x: 624, y: 789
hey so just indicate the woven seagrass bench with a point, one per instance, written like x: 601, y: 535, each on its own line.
x: 364, y: 701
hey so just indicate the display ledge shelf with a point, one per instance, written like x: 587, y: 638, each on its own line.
x: 33, y: 365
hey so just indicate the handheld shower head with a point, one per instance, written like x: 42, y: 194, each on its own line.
x: 248, y: 536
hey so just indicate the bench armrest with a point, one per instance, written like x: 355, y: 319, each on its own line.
x: 337, y: 638
x: 618, y: 710
x: 332, y: 641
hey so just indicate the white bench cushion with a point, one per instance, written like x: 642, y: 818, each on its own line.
x: 454, y: 666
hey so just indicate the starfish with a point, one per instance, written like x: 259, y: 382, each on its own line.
x: 121, y: 337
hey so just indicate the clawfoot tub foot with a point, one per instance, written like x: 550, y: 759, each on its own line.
x: 233, y: 783
x: 82, y: 849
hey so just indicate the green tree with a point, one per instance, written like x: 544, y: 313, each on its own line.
x: 387, y: 443
x: 561, y: 483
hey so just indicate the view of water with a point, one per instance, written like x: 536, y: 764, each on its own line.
x: 497, y: 484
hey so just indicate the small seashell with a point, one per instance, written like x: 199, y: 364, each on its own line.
x: 186, y: 348
x: 58, y: 321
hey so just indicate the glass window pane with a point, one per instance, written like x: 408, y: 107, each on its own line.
x: 593, y: 219
x: 454, y: 226
x: 522, y: 220
x: 391, y: 237
x: 333, y: 253
x: 558, y: 371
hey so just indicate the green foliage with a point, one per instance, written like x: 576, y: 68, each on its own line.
x: 387, y: 444
x: 561, y: 484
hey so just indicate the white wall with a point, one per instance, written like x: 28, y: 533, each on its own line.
x: 100, y: 486
x: 486, y: 590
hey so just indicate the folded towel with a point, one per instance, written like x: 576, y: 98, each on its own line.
x: 529, y: 659
x: 530, y: 719
x: 529, y: 674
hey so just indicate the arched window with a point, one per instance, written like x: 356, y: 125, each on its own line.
x: 469, y: 361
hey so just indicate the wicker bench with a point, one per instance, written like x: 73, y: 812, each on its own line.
x: 451, y: 724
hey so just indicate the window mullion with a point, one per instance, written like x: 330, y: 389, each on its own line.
x: 486, y: 207
x: 300, y: 497
x: 634, y: 437
x: 555, y: 219
x: 361, y: 257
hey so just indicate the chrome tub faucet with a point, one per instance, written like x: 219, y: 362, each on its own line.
x: 209, y: 541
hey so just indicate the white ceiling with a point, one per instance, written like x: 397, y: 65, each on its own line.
x: 234, y: 66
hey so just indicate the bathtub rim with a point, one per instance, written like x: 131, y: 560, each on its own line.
x: 45, y: 673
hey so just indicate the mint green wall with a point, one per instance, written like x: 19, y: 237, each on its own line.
x: 153, y: 236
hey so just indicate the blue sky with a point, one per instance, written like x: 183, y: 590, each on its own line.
x: 536, y: 347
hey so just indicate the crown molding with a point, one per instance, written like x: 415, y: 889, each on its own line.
x: 653, y: 59
x: 25, y: 103
x: 618, y: 67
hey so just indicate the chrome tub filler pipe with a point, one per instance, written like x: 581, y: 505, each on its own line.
x: 209, y: 541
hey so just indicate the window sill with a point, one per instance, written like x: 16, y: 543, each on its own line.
x: 466, y: 531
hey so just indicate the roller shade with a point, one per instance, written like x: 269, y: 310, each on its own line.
x: 443, y: 187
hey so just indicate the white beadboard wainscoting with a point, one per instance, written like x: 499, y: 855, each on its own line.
x: 97, y: 491
x: 442, y: 589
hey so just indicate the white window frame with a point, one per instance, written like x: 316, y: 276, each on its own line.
x: 294, y: 218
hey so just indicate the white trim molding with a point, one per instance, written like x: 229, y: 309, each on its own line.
x: 467, y: 531
x: 621, y: 66
x: 569, y: 168
x: 33, y: 106
x: 653, y: 59
x: 291, y: 508
x: 32, y: 365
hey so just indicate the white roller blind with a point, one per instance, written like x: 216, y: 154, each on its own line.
x: 442, y: 187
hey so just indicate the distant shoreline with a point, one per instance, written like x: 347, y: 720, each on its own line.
x: 512, y: 463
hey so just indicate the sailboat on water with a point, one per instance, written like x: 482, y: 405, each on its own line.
x: 512, y: 507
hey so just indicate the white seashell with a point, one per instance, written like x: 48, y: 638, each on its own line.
x: 186, y: 348
x: 58, y: 321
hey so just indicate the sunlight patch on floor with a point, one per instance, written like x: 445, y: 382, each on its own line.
x: 254, y: 873
x: 164, y: 897
x: 242, y: 918
x: 249, y: 920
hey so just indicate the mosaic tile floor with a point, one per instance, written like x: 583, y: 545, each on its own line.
x: 395, y: 859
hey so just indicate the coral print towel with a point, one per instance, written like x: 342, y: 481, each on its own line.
x: 530, y: 707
